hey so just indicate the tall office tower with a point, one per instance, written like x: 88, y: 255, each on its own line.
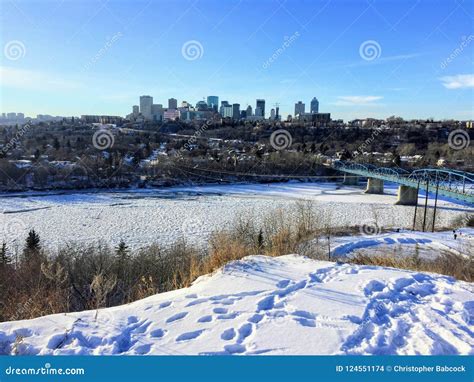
x: 258, y: 112
x: 314, y: 106
x: 236, y: 111
x: 277, y: 113
x: 249, y: 111
x: 261, y: 105
x: 145, y: 106
x: 223, y: 105
x: 227, y: 111
x: 299, y: 108
x: 201, y: 106
x: 213, y: 102
x: 135, y: 110
x: 272, y: 114
x: 157, y: 111
x: 172, y: 104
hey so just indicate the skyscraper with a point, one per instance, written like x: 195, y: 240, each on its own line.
x: 249, y: 111
x: 299, y: 108
x: 213, y: 102
x: 272, y: 114
x: 314, y: 106
x: 145, y: 106
x: 236, y: 111
x: 172, y: 103
x: 223, y: 105
x: 135, y: 110
x: 261, y: 105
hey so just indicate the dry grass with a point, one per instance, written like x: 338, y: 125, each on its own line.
x: 459, y: 267
x: 77, y: 278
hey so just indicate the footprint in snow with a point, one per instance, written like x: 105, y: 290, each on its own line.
x: 207, y: 318
x: 177, y: 317
x: 282, y: 283
x: 189, y: 335
x: 158, y: 333
x: 228, y: 334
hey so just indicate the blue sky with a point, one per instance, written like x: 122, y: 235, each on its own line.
x: 97, y: 57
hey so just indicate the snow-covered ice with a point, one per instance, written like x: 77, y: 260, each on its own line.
x: 143, y: 217
x: 261, y: 305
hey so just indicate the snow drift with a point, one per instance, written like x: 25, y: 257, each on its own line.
x: 260, y: 305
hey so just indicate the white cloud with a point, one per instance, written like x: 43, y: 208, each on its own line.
x: 459, y: 81
x: 358, y: 100
x: 34, y: 80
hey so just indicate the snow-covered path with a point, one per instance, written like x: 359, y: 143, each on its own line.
x: 260, y: 305
x: 143, y: 217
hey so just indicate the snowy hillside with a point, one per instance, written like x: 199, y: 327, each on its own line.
x: 261, y: 305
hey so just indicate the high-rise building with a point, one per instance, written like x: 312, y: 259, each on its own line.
x: 299, y: 108
x: 135, y: 110
x: 213, y: 102
x: 236, y: 111
x: 223, y: 105
x: 249, y: 111
x: 258, y: 112
x: 157, y: 111
x: 272, y: 114
x: 201, y: 106
x: 227, y: 111
x: 277, y: 113
x: 261, y: 105
x: 172, y: 104
x: 314, y: 106
x: 145, y: 106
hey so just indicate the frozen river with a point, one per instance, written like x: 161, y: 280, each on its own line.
x: 143, y: 217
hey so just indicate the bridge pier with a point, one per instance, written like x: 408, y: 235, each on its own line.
x: 350, y: 180
x: 407, y: 196
x: 374, y: 186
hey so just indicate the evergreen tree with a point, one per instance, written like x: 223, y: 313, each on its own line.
x: 4, y: 258
x: 32, y: 242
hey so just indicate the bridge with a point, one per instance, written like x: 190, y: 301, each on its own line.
x: 450, y: 183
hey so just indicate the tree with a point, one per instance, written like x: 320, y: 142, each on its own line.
x: 32, y: 243
x: 4, y: 257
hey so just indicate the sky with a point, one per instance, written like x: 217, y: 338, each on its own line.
x: 360, y: 58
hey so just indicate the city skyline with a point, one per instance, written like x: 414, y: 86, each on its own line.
x: 363, y: 59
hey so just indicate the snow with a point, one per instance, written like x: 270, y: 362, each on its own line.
x: 165, y: 215
x: 426, y: 243
x: 260, y: 305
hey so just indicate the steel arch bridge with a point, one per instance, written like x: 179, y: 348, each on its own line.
x: 458, y: 185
